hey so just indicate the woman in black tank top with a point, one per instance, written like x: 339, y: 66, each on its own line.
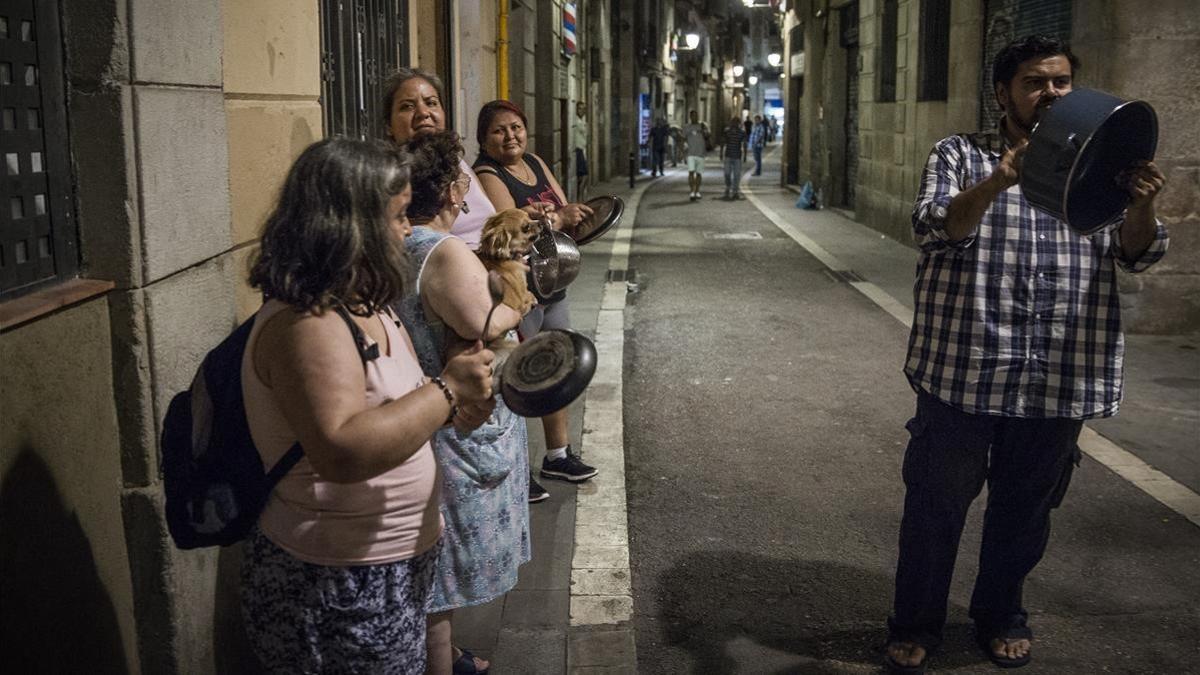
x: 512, y: 177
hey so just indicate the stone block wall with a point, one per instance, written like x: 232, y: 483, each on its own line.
x: 1151, y: 52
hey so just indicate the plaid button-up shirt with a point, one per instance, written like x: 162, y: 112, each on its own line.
x: 1022, y: 317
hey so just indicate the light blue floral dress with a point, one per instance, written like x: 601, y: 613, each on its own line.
x: 485, y: 474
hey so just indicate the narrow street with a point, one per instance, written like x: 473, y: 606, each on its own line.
x: 764, y: 415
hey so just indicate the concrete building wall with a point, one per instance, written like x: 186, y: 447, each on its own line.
x: 150, y: 154
x: 272, y: 88
x: 1151, y: 52
x: 475, y: 48
x: 64, y: 576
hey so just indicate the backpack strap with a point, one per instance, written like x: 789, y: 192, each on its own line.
x: 285, y: 464
x: 366, y: 352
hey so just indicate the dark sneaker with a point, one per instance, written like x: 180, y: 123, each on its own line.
x: 568, y: 468
x: 537, y: 493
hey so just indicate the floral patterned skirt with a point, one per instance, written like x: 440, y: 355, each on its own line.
x: 306, y: 618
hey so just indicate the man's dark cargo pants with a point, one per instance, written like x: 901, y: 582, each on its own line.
x: 1027, y: 465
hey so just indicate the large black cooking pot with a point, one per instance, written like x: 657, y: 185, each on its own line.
x: 1077, y: 150
x: 547, y: 372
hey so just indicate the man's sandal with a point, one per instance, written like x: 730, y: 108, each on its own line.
x: 1011, y: 634
x: 895, y: 668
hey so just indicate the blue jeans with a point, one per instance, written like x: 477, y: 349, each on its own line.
x: 758, y: 160
x: 733, y: 176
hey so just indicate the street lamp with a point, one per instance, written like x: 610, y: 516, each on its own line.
x: 738, y: 70
x: 774, y: 59
x: 692, y: 40
x: 753, y: 80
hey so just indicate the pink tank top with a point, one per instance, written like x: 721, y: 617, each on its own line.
x: 393, y: 516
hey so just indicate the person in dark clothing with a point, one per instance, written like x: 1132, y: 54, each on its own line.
x: 1004, y: 378
x: 658, y: 146
x: 733, y: 153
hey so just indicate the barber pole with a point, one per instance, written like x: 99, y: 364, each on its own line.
x: 569, y: 29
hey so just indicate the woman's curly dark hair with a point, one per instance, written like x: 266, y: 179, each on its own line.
x: 328, y: 241
x: 435, y: 165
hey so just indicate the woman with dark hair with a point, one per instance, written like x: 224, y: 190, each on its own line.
x: 337, y: 571
x: 484, y: 472
x: 412, y: 106
x: 513, y: 177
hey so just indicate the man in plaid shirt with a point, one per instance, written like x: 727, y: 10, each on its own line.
x: 1016, y: 339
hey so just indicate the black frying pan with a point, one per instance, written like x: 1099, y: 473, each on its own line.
x: 547, y: 372
x: 606, y: 212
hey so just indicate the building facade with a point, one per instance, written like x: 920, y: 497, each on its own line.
x: 144, y: 143
x: 872, y: 84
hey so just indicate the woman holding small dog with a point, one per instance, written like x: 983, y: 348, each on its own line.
x: 484, y: 472
x: 513, y: 177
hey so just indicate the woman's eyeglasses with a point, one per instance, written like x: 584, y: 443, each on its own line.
x: 463, y: 183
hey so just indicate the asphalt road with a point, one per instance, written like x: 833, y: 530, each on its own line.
x: 765, y: 409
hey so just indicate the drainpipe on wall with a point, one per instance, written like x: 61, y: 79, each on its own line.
x: 502, y: 51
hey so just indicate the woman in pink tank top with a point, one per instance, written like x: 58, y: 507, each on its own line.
x: 336, y: 575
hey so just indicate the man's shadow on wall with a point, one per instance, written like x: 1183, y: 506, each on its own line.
x: 57, y: 615
x: 825, y: 612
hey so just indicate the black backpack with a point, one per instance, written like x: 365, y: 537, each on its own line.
x: 213, y: 477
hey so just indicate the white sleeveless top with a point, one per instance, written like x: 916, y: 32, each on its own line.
x: 393, y: 516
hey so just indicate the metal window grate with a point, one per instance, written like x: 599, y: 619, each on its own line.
x: 933, y: 68
x: 37, y: 226
x: 888, y: 27
x: 362, y: 42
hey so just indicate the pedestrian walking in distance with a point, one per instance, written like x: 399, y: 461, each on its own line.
x: 580, y: 135
x: 658, y: 146
x: 1016, y: 340
x: 733, y: 153
x: 697, y: 147
x: 758, y: 140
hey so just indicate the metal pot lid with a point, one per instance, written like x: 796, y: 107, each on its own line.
x: 606, y: 212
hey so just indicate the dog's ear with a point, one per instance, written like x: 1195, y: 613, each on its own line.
x: 493, y: 241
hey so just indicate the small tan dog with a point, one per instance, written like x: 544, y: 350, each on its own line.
x: 505, y: 240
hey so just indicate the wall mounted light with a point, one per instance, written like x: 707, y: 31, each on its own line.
x: 692, y: 40
x: 738, y: 70
x: 753, y: 80
x: 774, y: 59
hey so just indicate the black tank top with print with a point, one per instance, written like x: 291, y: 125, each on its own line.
x: 522, y: 193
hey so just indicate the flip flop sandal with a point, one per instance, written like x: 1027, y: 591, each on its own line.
x: 1008, y: 635
x: 894, y: 668
x: 465, y: 665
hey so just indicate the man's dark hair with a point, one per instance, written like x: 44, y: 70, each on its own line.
x: 1004, y: 68
x: 328, y: 241
x: 435, y: 160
